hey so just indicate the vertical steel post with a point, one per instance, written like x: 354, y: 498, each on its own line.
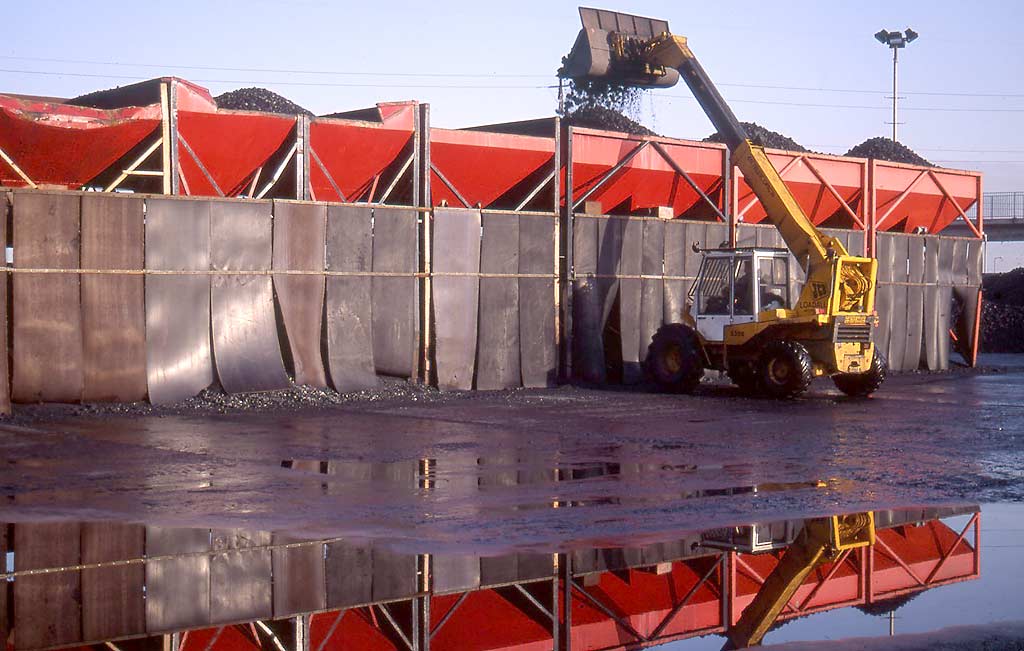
x: 302, y: 191
x: 726, y: 195
x: 422, y: 199
x: 567, y: 274
x: 556, y: 190
x: 169, y: 134
x: 728, y: 589
x: 872, y: 210
x: 564, y: 579
x: 302, y: 632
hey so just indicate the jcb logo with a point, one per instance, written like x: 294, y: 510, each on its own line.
x: 819, y: 290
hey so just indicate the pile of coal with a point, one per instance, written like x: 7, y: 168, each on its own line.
x: 259, y: 99
x: 1002, y: 312
x: 888, y: 149
x: 600, y: 117
x: 1002, y: 328
x: 764, y: 137
x: 1005, y: 287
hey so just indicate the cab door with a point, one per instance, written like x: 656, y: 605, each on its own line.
x: 725, y: 295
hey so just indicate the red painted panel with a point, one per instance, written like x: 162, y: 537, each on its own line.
x: 356, y: 155
x: 486, y: 620
x: 231, y: 145
x: 355, y: 631
x: 925, y: 205
x: 485, y: 166
x: 645, y: 599
x: 63, y: 153
x: 648, y: 180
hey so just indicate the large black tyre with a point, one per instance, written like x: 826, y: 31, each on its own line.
x: 675, y: 362
x: 784, y: 370
x: 860, y: 385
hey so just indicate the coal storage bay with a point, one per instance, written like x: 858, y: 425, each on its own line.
x: 484, y: 471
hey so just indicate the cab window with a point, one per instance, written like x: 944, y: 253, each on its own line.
x: 743, y: 295
x: 714, y: 287
x: 773, y: 283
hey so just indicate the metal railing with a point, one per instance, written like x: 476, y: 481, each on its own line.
x: 1001, y: 206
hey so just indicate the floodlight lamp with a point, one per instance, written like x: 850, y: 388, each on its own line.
x: 911, y: 35
x: 882, y: 37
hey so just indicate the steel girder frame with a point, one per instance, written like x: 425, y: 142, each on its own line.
x: 723, y: 211
x: 976, y: 227
x: 859, y: 215
x: 858, y: 577
x: 964, y: 556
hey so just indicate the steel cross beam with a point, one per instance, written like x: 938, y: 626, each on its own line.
x: 323, y: 168
x: 448, y: 615
x: 17, y: 170
x: 126, y: 172
x: 610, y: 173
x: 448, y: 183
x: 533, y: 193
x: 949, y: 198
x: 199, y: 163
x: 893, y: 556
x: 956, y: 543
x: 398, y: 177
x: 625, y: 625
x: 835, y: 193
x: 685, y: 600
x: 410, y: 644
x: 330, y: 631
x: 903, y: 195
x: 280, y: 170
x: 686, y: 177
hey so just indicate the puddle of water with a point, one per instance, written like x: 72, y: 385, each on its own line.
x: 71, y: 583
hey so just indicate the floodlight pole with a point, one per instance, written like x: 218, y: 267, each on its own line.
x: 895, y: 95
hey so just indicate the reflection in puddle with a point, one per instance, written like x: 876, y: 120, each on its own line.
x: 135, y: 588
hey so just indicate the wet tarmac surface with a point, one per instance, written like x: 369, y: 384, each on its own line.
x: 482, y: 472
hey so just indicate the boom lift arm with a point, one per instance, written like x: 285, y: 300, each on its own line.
x: 810, y: 246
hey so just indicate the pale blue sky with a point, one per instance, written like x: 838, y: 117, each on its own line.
x: 965, y: 48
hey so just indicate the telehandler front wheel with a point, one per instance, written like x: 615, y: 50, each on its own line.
x: 860, y: 385
x: 785, y: 370
x: 674, y: 360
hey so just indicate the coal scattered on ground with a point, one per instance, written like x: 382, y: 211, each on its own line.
x: 888, y: 149
x: 1002, y: 312
x: 600, y: 117
x: 215, y: 401
x: 764, y: 137
x: 259, y: 99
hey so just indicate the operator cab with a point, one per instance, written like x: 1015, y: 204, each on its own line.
x: 734, y: 285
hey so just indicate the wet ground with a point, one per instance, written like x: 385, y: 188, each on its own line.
x: 418, y: 472
x: 481, y: 472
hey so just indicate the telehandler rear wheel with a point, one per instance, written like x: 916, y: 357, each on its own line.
x: 674, y: 359
x: 785, y: 370
x: 864, y: 384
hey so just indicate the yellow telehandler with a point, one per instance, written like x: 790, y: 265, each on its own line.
x: 741, y: 317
